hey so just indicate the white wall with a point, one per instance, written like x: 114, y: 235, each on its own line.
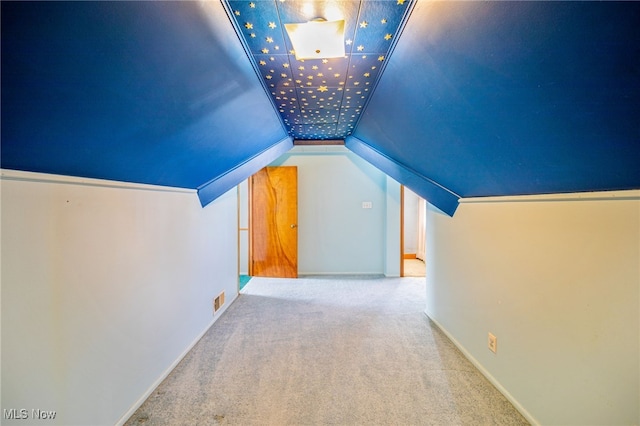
x: 557, y: 280
x: 393, y: 229
x: 104, y: 287
x: 411, y: 200
x: 335, y: 234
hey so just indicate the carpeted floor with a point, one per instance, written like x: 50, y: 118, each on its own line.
x: 414, y: 268
x: 323, y: 350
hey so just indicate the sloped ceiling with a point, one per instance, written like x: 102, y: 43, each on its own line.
x: 471, y: 99
x: 510, y: 98
x: 148, y: 92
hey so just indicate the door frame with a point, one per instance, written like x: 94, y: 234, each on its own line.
x: 249, y: 221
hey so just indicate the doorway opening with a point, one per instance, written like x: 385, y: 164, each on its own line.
x: 412, y: 232
x: 267, y: 225
x: 273, y: 222
x: 243, y: 234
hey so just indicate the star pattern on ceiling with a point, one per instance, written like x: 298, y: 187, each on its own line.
x: 319, y: 98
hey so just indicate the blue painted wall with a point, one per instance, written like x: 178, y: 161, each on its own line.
x: 150, y: 92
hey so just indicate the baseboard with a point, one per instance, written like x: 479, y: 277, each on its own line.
x: 486, y: 374
x: 173, y: 365
x: 410, y: 256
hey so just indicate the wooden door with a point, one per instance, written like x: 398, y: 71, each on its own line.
x: 273, y: 247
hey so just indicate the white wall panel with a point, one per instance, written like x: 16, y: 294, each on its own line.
x: 557, y: 281
x: 104, y: 287
x: 392, y: 229
x: 411, y: 200
x: 336, y: 235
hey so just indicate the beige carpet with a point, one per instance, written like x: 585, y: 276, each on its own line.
x: 317, y: 351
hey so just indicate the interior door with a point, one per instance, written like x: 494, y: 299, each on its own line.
x: 273, y: 246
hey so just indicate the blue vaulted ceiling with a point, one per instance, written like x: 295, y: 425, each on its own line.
x: 453, y: 99
x: 510, y: 98
x: 148, y: 92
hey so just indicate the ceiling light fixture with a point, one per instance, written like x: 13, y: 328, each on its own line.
x: 317, y: 39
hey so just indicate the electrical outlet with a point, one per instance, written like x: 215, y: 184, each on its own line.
x: 367, y: 204
x: 493, y: 343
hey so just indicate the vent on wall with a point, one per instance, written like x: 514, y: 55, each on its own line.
x: 218, y: 302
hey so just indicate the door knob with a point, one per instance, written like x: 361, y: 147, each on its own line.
x: 293, y: 225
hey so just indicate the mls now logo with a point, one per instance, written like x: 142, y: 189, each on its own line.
x: 23, y: 414
x: 14, y: 413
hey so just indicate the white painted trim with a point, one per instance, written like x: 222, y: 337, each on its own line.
x: 633, y: 194
x: 486, y: 374
x: 126, y: 416
x: 19, y: 175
